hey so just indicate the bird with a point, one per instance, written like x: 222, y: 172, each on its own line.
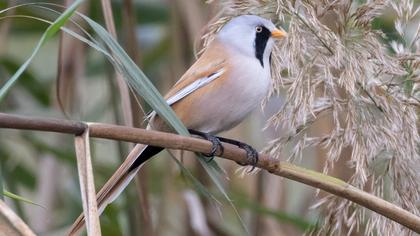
x: 229, y: 80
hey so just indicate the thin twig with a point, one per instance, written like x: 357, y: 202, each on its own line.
x: 231, y: 152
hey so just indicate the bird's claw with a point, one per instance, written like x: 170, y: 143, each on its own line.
x: 251, y: 154
x: 216, y: 144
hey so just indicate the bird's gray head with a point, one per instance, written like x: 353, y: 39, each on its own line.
x: 251, y: 35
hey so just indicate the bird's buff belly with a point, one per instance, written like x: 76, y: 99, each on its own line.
x: 208, y: 114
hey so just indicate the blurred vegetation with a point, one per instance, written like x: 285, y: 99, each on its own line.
x: 41, y: 166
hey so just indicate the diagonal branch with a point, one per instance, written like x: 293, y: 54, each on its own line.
x: 173, y: 141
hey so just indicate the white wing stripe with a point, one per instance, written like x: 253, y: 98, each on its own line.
x: 193, y: 86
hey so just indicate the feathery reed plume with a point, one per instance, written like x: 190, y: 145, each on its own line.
x: 334, y: 63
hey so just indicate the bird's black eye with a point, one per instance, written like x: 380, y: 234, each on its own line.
x: 258, y: 29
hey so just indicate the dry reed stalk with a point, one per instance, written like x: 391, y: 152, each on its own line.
x: 87, y: 185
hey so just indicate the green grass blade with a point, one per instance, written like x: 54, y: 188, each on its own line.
x: 50, y: 32
x: 19, y: 198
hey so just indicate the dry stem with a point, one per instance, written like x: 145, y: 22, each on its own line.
x: 87, y: 185
x: 173, y: 141
x: 11, y: 224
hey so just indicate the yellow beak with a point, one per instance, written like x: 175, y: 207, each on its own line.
x: 278, y: 34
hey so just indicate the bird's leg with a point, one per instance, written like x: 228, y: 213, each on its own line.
x: 213, y: 139
x: 251, y: 153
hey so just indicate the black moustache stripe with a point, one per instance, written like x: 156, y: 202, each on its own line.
x: 261, y: 39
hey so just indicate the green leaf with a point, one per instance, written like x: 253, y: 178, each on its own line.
x: 19, y: 198
x: 49, y: 33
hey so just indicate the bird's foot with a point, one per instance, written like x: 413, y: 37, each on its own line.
x: 251, y: 153
x: 217, y: 145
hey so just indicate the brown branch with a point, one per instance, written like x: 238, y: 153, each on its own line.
x: 173, y: 141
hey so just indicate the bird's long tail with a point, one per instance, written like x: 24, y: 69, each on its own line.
x: 119, y: 180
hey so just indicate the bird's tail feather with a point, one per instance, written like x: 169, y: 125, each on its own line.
x: 119, y: 180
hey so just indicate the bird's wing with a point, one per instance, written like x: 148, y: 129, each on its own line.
x: 210, y: 69
x: 197, y: 77
x: 210, y: 66
x: 200, y: 82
